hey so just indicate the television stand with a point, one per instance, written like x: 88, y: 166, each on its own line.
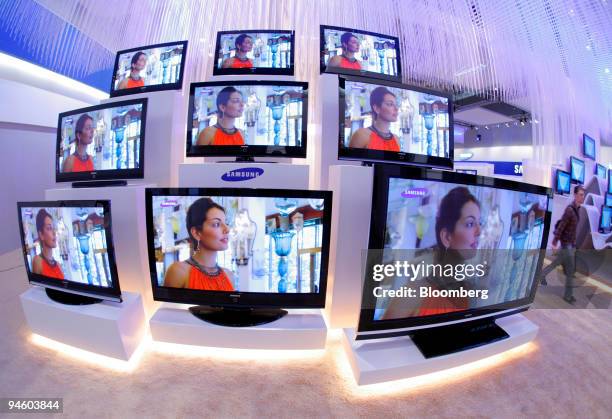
x: 99, y: 183
x: 236, y: 317
x: 444, y: 340
x: 69, y: 298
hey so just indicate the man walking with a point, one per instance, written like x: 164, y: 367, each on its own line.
x: 565, y: 233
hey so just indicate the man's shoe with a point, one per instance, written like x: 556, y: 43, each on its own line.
x: 570, y: 299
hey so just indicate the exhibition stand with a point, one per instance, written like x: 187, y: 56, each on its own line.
x: 107, y: 328
x: 129, y: 233
x: 244, y: 175
x: 383, y: 360
x: 352, y: 203
x: 299, y: 329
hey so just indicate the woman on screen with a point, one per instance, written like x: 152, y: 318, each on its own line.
x: 350, y: 46
x: 378, y: 136
x: 244, y: 45
x: 457, y: 237
x: 80, y: 161
x: 43, y: 263
x: 208, y: 234
x: 230, y: 106
x: 138, y: 63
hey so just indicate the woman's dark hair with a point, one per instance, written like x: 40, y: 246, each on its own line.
x: 40, y: 219
x: 224, y: 96
x: 346, y: 37
x: 197, y: 213
x: 377, y: 97
x: 80, y: 124
x: 135, y: 58
x: 240, y: 39
x: 450, y: 208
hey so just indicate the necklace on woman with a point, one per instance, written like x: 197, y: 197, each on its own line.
x: 83, y: 159
x: 225, y: 130
x: 214, y: 271
x: 352, y: 60
x: 51, y: 262
x: 384, y: 136
x: 245, y: 59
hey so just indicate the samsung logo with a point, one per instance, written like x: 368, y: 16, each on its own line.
x: 415, y: 193
x: 242, y: 174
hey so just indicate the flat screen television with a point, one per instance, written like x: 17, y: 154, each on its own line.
x: 600, y: 171
x: 101, y: 142
x: 254, y: 52
x: 605, y: 220
x: 390, y: 122
x: 609, y: 180
x: 360, y: 53
x: 563, y: 182
x: 68, y: 249
x: 246, y: 119
x: 588, y: 147
x: 608, y: 202
x: 242, y: 254
x: 451, y: 221
x: 577, y: 170
x: 149, y: 68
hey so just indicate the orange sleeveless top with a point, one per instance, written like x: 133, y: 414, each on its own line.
x: 378, y: 143
x: 134, y: 83
x: 352, y: 65
x: 237, y: 63
x: 51, y: 271
x: 82, y: 166
x: 221, y: 138
x: 198, y: 280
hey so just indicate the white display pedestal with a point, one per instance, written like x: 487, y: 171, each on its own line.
x: 165, y: 135
x: 300, y: 329
x: 108, y: 328
x: 272, y: 175
x: 350, y: 231
x: 391, y: 359
x: 129, y: 234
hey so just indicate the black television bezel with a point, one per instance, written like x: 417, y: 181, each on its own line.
x: 178, y: 85
x: 556, y: 189
x: 290, y: 71
x: 404, y: 326
x: 378, y: 156
x: 369, y: 74
x: 573, y: 180
x: 106, y: 293
x: 239, y: 299
x: 136, y: 173
x: 584, y: 140
x: 601, y: 214
x: 605, y: 170
x: 248, y: 150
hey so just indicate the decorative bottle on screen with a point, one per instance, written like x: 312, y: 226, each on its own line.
x: 283, y: 238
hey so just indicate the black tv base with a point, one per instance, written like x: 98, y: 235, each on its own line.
x: 444, y: 340
x: 69, y: 298
x: 236, y: 317
x: 99, y: 183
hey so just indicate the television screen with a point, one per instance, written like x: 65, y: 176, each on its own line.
x: 356, y: 52
x: 254, y: 247
x: 254, y: 52
x: 608, y: 200
x: 450, y: 221
x: 68, y: 246
x: 609, y: 180
x: 102, y: 142
x: 605, y: 221
x: 600, y: 171
x: 247, y: 119
x: 563, y: 182
x: 384, y: 121
x: 149, y: 68
x: 577, y: 169
x: 588, y: 147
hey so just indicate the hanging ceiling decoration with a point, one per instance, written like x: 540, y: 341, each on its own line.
x: 552, y: 57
